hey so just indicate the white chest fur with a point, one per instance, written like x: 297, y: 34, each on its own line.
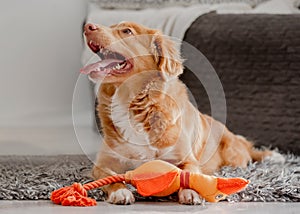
x: 131, y: 131
x: 138, y: 145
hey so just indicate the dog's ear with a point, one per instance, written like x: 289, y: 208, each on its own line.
x: 166, y: 55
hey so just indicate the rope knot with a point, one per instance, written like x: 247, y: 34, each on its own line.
x: 74, y: 195
x: 80, y: 189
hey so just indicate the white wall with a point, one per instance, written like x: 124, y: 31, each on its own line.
x: 40, y: 50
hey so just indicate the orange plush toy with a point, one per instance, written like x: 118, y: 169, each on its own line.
x: 154, y: 178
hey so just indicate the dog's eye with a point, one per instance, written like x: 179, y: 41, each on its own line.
x: 127, y: 31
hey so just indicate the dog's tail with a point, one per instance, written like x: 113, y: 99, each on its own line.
x: 259, y: 155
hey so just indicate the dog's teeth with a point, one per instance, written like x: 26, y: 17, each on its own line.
x: 118, y: 67
x: 122, y: 65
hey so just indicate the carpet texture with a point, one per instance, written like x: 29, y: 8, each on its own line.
x: 35, y: 177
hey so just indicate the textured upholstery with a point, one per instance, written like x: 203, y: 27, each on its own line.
x: 257, y: 58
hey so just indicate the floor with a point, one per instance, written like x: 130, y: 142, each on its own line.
x: 46, y: 207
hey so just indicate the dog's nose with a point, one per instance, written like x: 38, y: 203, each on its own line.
x: 90, y: 27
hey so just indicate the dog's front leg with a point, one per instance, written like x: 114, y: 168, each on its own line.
x: 117, y: 193
x: 189, y: 196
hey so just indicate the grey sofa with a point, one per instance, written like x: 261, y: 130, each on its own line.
x: 257, y: 58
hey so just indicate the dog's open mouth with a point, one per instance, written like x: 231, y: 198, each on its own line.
x: 111, y: 63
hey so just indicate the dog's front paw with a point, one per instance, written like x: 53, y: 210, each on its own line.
x: 121, y: 196
x: 189, y: 197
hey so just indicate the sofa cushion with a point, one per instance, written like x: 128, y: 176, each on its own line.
x: 257, y: 58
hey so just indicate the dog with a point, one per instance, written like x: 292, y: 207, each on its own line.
x: 146, y: 114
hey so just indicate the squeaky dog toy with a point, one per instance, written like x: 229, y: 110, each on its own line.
x: 154, y: 178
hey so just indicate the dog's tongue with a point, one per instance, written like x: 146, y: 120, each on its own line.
x: 99, y: 66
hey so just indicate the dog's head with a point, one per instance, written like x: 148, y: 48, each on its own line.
x: 126, y: 49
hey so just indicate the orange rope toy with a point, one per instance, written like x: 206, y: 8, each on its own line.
x: 154, y: 178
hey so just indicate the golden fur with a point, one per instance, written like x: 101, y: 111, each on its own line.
x: 161, y: 121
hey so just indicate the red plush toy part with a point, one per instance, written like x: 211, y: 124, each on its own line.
x: 156, y: 178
